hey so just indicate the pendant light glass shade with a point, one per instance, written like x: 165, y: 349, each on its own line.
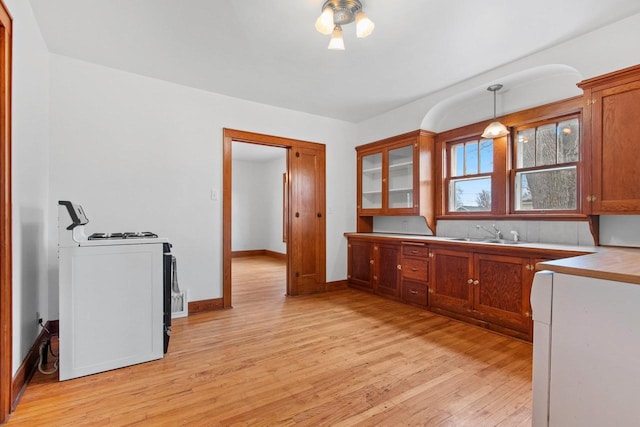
x: 364, y: 25
x: 495, y: 128
x: 337, y: 42
x: 324, y: 23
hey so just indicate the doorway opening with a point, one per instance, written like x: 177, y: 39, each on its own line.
x: 304, y: 222
x: 258, y: 205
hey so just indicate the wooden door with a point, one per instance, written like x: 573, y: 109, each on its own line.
x: 6, y: 345
x: 360, y: 265
x: 306, y: 251
x: 450, y: 288
x: 615, y: 130
x: 498, y: 288
x: 387, y: 261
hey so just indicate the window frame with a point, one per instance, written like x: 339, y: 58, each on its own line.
x: 514, y: 170
x: 502, y: 183
x: 498, y: 180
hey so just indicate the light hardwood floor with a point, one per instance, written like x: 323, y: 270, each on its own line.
x: 342, y: 358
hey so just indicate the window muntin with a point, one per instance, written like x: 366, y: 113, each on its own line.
x: 470, y: 169
x: 546, y: 174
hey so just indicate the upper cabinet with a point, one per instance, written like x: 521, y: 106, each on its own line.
x: 395, y: 177
x: 612, y: 131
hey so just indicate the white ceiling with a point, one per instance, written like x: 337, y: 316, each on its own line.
x: 270, y: 52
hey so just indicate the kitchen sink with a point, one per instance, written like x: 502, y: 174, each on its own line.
x: 487, y: 240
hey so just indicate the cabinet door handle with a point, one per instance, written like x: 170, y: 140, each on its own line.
x: 470, y: 281
x: 475, y: 282
x: 430, y: 254
x: 297, y: 214
x: 399, y: 267
x: 371, y: 261
x: 527, y: 314
x: 319, y: 215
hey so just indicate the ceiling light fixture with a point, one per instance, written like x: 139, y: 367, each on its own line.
x: 495, y: 128
x: 335, y: 14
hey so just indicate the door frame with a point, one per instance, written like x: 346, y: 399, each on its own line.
x: 230, y: 135
x: 6, y: 298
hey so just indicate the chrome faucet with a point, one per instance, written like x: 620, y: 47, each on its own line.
x: 496, y: 231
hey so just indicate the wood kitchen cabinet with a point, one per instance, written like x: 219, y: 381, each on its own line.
x: 485, y: 285
x: 612, y: 129
x: 490, y: 290
x: 386, y: 278
x: 360, y: 263
x: 374, y: 266
x: 395, y: 177
x: 415, y: 269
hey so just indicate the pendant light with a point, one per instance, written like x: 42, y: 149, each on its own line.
x: 495, y: 128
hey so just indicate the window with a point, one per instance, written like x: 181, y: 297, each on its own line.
x: 470, y: 170
x: 545, y: 177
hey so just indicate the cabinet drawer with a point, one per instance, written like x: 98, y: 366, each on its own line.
x: 414, y: 293
x: 416, y: 251
x: 416, y: 269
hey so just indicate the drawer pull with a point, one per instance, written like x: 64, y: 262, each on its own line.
x: 413, y: 291
x: 414, y: 269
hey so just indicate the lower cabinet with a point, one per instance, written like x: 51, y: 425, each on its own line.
x: 386, y: 261
x: 486, y: 289
x: 415, y: 273
x: 489, y: 288
x: 374, y: 266
x: 360, y: 263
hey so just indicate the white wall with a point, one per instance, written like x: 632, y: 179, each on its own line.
x: 257, y: 204
x: 30, y: 135
x: 144, y: 154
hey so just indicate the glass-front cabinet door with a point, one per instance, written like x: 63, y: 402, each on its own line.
x: 388, y: 180
x: 371, y: 180
x: 401, y: 178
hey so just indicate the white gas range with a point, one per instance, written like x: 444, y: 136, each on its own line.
x: 115, y: 296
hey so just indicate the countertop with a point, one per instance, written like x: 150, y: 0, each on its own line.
x: 617, y: 264
x: 439, y: 239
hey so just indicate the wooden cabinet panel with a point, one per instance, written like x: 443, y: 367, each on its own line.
x: 416, y: 269
x: 611, y: 132
x: 412, y: 250
x: 499, y: 290
x: 450, y: 288
x: 360, y: 265
x: 414, y: 293
x: 387, y: 278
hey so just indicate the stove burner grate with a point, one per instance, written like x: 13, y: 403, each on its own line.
x: 127, y: 235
